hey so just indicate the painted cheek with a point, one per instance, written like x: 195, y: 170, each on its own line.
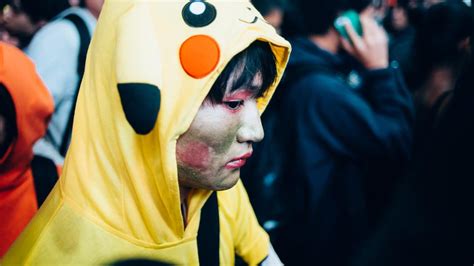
x: 194, y: 155
x: 227, y: 137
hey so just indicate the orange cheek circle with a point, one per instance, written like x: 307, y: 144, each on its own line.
x: 199, y: 55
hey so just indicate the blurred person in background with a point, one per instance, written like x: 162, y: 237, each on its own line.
x: 59, y: 50
x: 401, y: 34
x: 441, y: 52
x: 55, y: 36
x: 4, y: 35
x: 347, y: 137
x: 272, y: 10
x: 416, y: 9
x: 429, y: 3
x: 430, y: 220
x: 23, y: 18
x: 25, y: 110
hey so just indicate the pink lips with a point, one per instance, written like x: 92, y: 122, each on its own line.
x: 238, y: 162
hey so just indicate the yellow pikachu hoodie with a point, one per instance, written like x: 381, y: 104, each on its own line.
x: 150, y: 65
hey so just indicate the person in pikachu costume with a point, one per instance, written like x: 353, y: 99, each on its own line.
x: 139, y: 141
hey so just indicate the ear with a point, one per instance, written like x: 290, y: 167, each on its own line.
x: 138, y: 69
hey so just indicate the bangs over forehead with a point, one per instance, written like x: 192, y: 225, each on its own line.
x: 253, y: 69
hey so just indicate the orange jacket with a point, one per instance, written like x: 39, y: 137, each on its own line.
x: 33, y: 107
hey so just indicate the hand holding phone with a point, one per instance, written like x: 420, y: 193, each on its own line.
x: 371, y: 49
x: 348, y: 17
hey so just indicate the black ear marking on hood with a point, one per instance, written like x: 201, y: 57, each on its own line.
x: 198, y: 13
x: 141, y: 104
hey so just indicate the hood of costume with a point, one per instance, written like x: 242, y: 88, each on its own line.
x: 33, y: 106
x: 150, y: 65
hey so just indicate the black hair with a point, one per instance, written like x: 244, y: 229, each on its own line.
x: 39, y: 10
x: 7, y: 111
x: 444, y: 26
x: 405, y: 4
x: 307, y: 17
x: 257, y: 59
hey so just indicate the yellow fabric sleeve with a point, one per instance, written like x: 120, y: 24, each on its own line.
x: 248, y: 238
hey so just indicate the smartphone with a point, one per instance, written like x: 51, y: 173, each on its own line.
x: 352, y: 17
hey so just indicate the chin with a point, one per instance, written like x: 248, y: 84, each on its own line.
x: 227, y: 183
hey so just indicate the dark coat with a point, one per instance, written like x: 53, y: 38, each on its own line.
x: 339, y: 150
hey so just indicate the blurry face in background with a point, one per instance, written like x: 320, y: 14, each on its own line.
x: 4, y: 35
x: 94, y: 6
x: 218, y: 142
x: 275, y: 18
x: 399, y: 19
x: 17, y: 23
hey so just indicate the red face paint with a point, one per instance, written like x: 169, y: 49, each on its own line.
x: 194, y: 154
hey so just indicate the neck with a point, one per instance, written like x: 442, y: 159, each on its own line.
x: 439, y: 81
x: 329, y: 41
x: 183, y: 194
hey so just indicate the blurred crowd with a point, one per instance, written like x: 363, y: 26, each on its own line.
x: 365, y: 159
x: 37, y: 106
x: 366, y: 156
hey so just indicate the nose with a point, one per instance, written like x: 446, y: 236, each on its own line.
x: 251, y: 129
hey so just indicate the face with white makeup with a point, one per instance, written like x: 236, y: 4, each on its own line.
x: 219, y: 141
